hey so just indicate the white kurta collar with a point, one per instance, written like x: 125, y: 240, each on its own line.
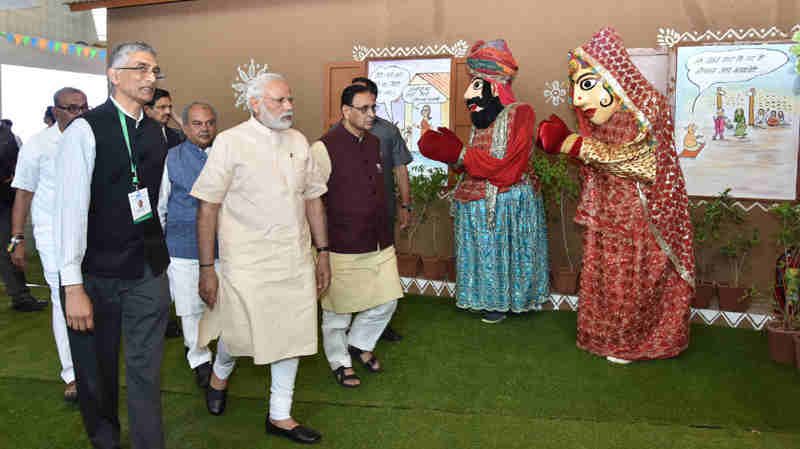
x: 141, y: 111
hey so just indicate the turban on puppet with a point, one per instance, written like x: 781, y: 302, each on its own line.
x: 493, y: 62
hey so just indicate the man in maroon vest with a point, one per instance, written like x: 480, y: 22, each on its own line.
x: 364, y: 280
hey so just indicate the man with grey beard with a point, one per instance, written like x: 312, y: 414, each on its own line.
x: 260, y: 190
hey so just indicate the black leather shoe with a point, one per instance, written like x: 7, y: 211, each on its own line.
x: 299, y: 434
x: 27, y: 303
x: 173, y: 329
x: 215, y: 400
x: 389, y: 334
x: 202, y: 374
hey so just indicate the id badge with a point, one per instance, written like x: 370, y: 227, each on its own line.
x: 140, y: 205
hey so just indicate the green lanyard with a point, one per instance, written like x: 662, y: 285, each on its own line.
x: 128, y: 143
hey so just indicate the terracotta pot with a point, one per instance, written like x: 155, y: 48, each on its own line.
x: 451, y: 269
x: 781, y: 343
x: 434, y: 268
x: 797, y: 351
x: 408, y: 265
x: 565, y: 281
x: 703, y: 294
x: 729, y: 299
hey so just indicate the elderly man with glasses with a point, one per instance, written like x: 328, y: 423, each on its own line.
x: 113, y: 256
x: 364, y: 279
x: 34, y: 180
x: 177, y: 211
x: 260, y: 191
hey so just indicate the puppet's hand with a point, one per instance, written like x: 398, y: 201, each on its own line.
x: 551, y: 134
x: 442, y: 145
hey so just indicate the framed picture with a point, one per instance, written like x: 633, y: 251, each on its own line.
x: 414, y: 94
x: 737, y: 117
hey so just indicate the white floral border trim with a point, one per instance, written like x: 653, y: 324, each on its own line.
x: 763, y: 207
x: 709, y: 317
x: 555, y: 92
x: 669, y: 37
x: 246, y: 74
x: 457, y: 49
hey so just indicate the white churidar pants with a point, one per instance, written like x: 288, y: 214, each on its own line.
x: 365, y: 330
x: 281, y: 390
x: 60, y: 328
x: 184, y: 278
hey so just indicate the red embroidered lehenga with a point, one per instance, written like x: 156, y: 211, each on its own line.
x: 637, y: 279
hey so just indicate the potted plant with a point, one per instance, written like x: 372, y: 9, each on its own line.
x: 783, y: 332
x: 786, y: 320
x: 425, y: 187
x: 704, y: 287
x: 796, y: 339
x: 718, y: 213
x: 734, y: 297
x: 557, y: 186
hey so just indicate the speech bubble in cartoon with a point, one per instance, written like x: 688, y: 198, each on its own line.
x: 391, y: 81
x: 423, y: 93
x: 709, y: 68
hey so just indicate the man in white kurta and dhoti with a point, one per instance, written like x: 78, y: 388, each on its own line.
x: 260, y: 191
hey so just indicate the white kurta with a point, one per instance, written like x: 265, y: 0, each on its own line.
x: 267, y: 303
x: 35, y: 172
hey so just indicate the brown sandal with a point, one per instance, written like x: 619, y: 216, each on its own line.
x: 341, y: 377
x: 368, y: 364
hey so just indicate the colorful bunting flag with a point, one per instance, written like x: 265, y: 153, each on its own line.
x: 53, y: 46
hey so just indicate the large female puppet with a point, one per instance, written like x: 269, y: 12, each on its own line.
x: 637, y: 279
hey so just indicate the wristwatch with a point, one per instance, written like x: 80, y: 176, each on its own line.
x: 407, y: 207
x: 15, y: 240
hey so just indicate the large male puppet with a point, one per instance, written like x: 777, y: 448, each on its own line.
x: 500, y: 228
x: 637, y: 278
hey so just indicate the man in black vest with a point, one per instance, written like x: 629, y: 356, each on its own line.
x: 365, y: 283
x: 113, y: 255
x: 394, y: 156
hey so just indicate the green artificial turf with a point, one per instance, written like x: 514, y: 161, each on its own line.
x: 452, y: 382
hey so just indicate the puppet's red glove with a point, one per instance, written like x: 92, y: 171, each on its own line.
x: 442, y: 145
x: 551, y: 134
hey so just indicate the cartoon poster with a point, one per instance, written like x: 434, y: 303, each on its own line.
x: 414, y: 94
x: 736, y: 119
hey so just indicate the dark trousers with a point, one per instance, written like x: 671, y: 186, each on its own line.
x: 138, y: 311
x: 12, y: 276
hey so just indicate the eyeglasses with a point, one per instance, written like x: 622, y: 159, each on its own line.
x: 74, y: 108
x: 144, y: 69
x: 364, y: 109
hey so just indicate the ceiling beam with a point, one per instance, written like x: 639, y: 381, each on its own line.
x: 85, y: 6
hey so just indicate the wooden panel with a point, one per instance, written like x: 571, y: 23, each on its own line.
x: 85, y: 6
x: 462, y: 125
x: 462, y: 79
x: 338, y: 75
x: 462, y: 131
